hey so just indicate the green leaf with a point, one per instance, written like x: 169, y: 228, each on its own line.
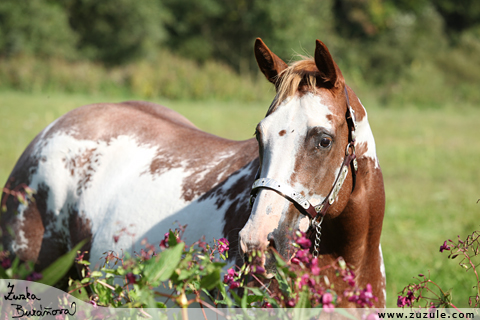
x: 253, y: 298
x: 96, y: 274
x: 185, y: 274
x: 85, y: 280
x: 257, y: 291
x: 283, y: 283
x: 80, y: 292
x: 226, y: 299
x: 303, y: 301
x: 162, y: 267
x: 244, y: 303
x: 3, y: 274
x: 58, y: 269
x: 279, y: 260
x: 211, y: 280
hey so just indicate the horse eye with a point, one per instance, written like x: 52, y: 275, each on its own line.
x: 325, y: 142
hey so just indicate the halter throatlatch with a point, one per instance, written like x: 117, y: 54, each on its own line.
x: 317, y: 212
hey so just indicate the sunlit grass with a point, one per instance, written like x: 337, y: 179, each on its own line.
x: 429, y: 160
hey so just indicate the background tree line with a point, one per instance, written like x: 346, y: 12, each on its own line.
x: 422, y: 52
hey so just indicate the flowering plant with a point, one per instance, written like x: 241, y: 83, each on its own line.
x: 428, y: 293
x: 300, y: 283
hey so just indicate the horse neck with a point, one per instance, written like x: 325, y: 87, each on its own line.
x: 355, y: 233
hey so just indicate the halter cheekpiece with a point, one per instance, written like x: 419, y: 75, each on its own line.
x: 317, y: 212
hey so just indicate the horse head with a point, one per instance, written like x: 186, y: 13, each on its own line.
x: 306, y: 149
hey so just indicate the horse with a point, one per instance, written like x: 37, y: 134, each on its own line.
x: 117, y: 173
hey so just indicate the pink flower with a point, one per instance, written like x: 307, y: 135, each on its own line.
x: 410, y: 298
x: 291, y: 303
x: 401, y: 301
x: 327, y: 299
x: 304, y: 242
x: 305, y: 280
x: 229, y: 278
x: 444, y: 246
x: 406, y: 301
x: 302, y: 255
x: 315, y: 268
x: 6, y: 263
x: 234, y: 285
x: 164, y: 242
x: 34, y: 276
x: 364, y: 298
x: 131, y: 279
x: 258, y: 269
x: 222, y: 245
x: 349, y: 278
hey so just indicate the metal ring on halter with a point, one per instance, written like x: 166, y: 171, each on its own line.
x: 315, y: 223
x: 350, y: 145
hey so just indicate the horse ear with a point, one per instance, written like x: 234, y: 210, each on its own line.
x: 329, y: 71
x: 268, y: 62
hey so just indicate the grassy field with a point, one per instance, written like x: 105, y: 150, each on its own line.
x: 429, y: 159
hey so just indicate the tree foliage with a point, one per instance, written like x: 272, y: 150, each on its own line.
x: 36, y: 27
x: 388, y: 44
x: 116, y: 31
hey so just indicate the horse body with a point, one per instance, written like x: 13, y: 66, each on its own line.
x: 119, y: 173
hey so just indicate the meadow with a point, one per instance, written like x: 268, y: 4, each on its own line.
x: 429, y: 159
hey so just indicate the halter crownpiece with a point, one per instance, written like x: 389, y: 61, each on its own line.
x: 316, y: 213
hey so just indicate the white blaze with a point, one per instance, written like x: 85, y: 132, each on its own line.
x: 283, y: 133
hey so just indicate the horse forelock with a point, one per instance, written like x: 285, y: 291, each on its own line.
x: 300, y: 75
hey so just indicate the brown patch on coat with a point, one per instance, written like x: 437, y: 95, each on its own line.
x: 52, y: 246
x: 82, y: 166
x: 238, y: 211
x: 204, y: 178
x: 282, y: 133
x: 32, y: 230
x: 104, y: 121
x: 80, y: 228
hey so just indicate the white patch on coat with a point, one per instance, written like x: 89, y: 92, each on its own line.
x: 19, y: 242
x: 122, y: 193
x: 382, y: 271
x: 365, y: 136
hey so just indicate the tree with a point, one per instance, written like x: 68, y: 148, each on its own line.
x: 36, y: 27
x: 116, y: 31
x: 226, y: 29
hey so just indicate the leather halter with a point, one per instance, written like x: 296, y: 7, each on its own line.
x: 317, y: 212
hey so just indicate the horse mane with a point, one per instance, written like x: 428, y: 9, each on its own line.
x: 299, y: 73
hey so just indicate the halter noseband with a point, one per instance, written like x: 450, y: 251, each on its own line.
x: 316, y: 213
